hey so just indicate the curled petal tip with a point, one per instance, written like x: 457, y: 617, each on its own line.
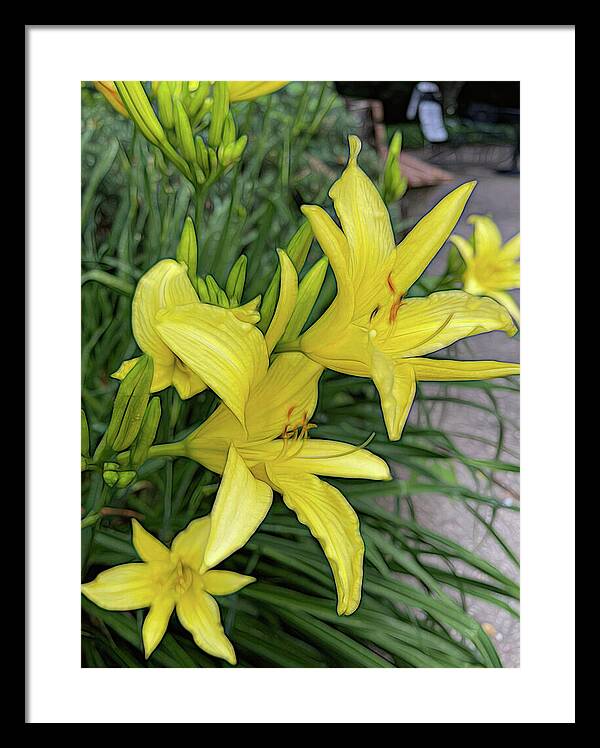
x: 355, y: 146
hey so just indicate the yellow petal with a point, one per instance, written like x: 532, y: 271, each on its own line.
x: 241, y: 504
x: 147, y: 547
x: 334, y: 322
x: 416, y: 251
x: 502, y: 277
x: 335, y: 246
x: 199, y: 614
x: 211, y: 451
x: 440, y: 370
x: 190, y: 544
x: 336, y: 345
x: 125, y: 587
x: 464, y: 247
x: 286, y: 395
x: 166, y: 283
x: 225, y: 582
x: 227, y: 354
x: 334, y: 523
x: 335, y: 459
x: 512, y: 249
x: 249, y: 312
x: 245, y: 90
x: 162, y: 378
x: 396, y: 385
x: 366, y: 225
x: 156, y: 622
x: 288, y: 295
x: 186, y: 382
x: 487, y: 236
x: 507, y: 301
x: 427, y: 324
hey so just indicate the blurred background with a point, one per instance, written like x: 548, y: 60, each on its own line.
x: 460, y: 498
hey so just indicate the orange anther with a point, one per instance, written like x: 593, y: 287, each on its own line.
x: 390, y: 284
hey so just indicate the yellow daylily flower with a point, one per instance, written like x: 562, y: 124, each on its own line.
x: 110, y: 93
x: 246, y: 90
x: 371, y: 329
x: 275, y: 454
x: 195, y: 345
x: 492, y: 268
x: 176, y: 579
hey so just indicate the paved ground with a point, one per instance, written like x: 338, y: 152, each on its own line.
x: 497, y: 195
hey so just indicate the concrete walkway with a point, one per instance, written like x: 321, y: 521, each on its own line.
x: 497, y: 195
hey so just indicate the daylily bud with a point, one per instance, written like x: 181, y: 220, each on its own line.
x: 394, y: 184
x: 234, y: 288
x: 198, y: 174
x: 125, y: 478
x: 213, y: 161
x: 202, y: 155
x: 297, y: 251
x: 224, y: 154
x: 130, y: 405
x: 147, y: 433
x: 299, y: 245
x: 222, y: 299
x: 187, y: 250
x: 229, y: 130
x: 203, y: 111
x: 140, y: 110
x: 177, y: 89
x: 203, y: 290
x: 183, y: 128
x: 198, y: 98
x: 308, y: 291
x: 220, y: 110
x: 213, y: 289
x: 124, y: 458
x: 110, y: 473
x: 85, y: 436
x: 165, y: 105
x: 239, y: 146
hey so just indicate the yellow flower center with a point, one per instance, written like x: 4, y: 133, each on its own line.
x: 180, y: 579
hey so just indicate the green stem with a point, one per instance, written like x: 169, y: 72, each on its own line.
x: 223, y: 259
x: 90, y: 520
x: 103, y: 498
x: 199, y: 210
x: 176, y: 449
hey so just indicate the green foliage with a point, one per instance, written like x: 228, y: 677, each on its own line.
x: 414, y: 610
